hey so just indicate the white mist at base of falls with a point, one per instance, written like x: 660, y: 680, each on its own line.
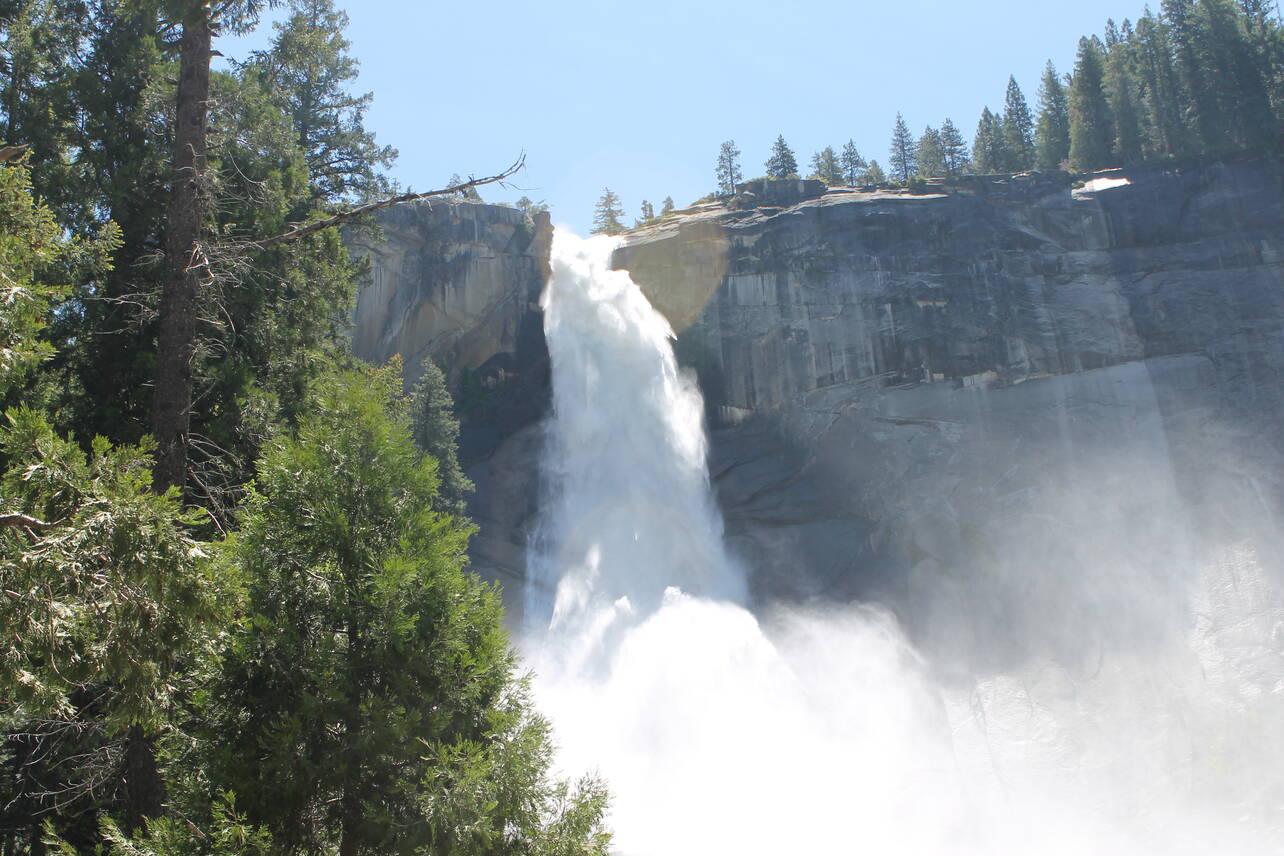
x: 822, y: 730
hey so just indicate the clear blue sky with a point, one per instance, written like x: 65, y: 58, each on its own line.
x: 638, y: 96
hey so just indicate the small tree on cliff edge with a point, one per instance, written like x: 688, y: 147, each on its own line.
x: 852, y: 163
x: 903, y: 153
x: 782, y: 163
x: 606, y: 217
x: 728, y: 173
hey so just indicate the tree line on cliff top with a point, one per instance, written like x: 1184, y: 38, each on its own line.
x: 1203, y: 78
x: 236, y: 609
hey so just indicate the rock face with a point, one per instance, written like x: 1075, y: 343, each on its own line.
x: 1008, y: 391
x: 459, y: 283
x: 1004, y: 391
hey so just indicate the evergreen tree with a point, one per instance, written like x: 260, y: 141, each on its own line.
x: 989, y: 146
x: 1018, y: 129
x: 648, y: 212
x: 606, y: 217
x: 1121, y: 88
x: 374, y: 685
x: 308, y: 73
x: 851, y: 163
x: 874, y: 175
x: 728, y: 171
x: 1052, y: 135
x: 903, y: 153
x: 530, y: 207
x: 1234, y: 77
x: 1161, y: 90
x: 666, y: 207
x: 953, y: 149
x: 1206, y: 124
x: 1090, y: 129
x: 782, y: 163
x: 39, y: 43
x: 826, y: 167
x: 931, y: 154
x: 435, y: 429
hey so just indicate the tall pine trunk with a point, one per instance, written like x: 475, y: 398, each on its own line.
x: 184, y: 259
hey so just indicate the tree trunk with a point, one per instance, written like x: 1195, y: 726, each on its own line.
x: 144, y: 788
x: 185, y: 261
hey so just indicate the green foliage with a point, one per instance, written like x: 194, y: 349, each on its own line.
x: 953, y: 149
x: 107, y: 590
x: 782, y: 163
x: 1018, y: 129
x: 607, y: 214
x: 372, y: 681
x: 38, y: 265
x: 1052, y: 134
x: 989, y: 146
x: 826, y: 167
x: 667, y: 207
x: 874, y: 175
x: 903, y: 153
x: 1090, y: 127
x: 225, y: 834
x: 728, y: 171
x: 307, y: 74
x: 436, y: 432
x: 931, y: 153
x: 851, y: 163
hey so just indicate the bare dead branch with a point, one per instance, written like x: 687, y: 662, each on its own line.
x: 25, y: 521
x: 370, y: 207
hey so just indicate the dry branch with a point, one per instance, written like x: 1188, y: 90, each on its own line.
x: 352, y: 213
x: 26, y: 521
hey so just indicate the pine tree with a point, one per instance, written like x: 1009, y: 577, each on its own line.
x: 1234, y: 78
x: 874, y: 175
x: 1018, y: 129
x: 606, y: 217
x: 1052, y: 136
x: 376, y: 672
x: 666, y: 207
x: 953, y: 149
x: 852, y: 163
x: 1090, y: 128
x: 648, y: 212
x: 782, y: 163
x: 989, y: 146
x: 308, y: 73
x: 931, y: 154
x: 435, y: 429
x: 825, y: 167
x: 903, y: 153
x: 728, y: 170
x: 1161, y: 90
x: 1120, y: 86
x: 1205, y: 119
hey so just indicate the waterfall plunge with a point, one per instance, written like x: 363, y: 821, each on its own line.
x: 811, y: 730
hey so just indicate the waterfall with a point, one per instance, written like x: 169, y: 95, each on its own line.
x: 813, y: 729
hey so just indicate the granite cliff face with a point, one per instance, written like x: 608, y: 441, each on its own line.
x: 1002, y: 388
x: 459, y: 283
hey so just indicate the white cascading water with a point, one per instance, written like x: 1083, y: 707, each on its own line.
x: 820, y: 730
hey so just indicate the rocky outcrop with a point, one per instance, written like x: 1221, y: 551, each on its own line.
x: 1001, y: 390
x: 937, y: 400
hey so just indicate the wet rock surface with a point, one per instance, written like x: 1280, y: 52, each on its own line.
x: 1002, y: 389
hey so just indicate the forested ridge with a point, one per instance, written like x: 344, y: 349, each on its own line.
x: 1199, y: 79
x: 236, y: 615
